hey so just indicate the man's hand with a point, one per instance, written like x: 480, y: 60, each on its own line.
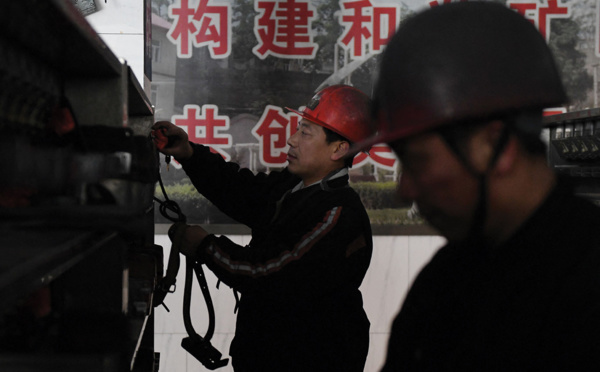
x: 192, y: 237
x: 172, y: 140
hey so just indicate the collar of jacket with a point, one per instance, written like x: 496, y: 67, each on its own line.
x: 336, y: 179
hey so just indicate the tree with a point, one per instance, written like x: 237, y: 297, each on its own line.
x: 571, y: 62
x: 328, y: 31
x: 243, y: 39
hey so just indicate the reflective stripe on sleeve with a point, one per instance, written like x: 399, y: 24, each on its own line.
x: 300, y: 249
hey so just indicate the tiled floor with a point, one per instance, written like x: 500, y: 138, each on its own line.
x: 396, y: 261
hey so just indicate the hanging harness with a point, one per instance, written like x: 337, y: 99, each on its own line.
x: 198, y: 346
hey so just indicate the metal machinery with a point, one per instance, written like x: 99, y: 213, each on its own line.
x: 574, y: 149
x: 78, y: 263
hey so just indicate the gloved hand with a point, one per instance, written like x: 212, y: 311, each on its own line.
x: 172, y: 140
x: 160, y: 138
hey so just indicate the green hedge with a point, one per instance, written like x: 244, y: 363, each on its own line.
x: 398, y: 216
x: 194, y: 206
x: 379, y: 195
x: 379, y: 199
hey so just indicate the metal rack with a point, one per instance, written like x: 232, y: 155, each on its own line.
x: 78, y: 262
x: 574, y: 149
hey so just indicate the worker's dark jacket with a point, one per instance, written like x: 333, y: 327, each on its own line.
x: 532, y: 304
x: 300, y: 307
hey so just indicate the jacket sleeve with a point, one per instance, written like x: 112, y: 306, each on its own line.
x: 333, y: 252
x: 237, y: 192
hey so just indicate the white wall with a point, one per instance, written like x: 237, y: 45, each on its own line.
x: 396, y: 261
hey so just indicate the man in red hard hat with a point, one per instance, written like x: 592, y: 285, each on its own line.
x: 459, y: 98
x: 300, y: 308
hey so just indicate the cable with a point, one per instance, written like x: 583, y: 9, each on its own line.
x: 169, y: 205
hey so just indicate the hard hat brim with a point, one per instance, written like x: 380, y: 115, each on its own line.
x: 314, y: 120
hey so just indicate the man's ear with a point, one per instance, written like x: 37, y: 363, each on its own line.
x: 506, y: 160
x: 340, y: 151
x: 508, y: 153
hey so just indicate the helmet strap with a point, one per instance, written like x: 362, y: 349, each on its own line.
x: 475, y: 237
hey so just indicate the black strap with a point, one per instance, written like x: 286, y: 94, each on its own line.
x: 167, y: 283
x: 479, y: 216
x: 194, y: 344
x: 200, y: 347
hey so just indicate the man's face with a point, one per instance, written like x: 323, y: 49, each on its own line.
x: 432, y: 176
x: 309, y: 156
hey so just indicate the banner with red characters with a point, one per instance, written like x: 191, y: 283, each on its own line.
x: 224, y: 70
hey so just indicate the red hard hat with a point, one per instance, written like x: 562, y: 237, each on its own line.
x: 458, y: 62
x: 342, y: 109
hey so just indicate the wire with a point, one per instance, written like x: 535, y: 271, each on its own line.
x: 169, y: 205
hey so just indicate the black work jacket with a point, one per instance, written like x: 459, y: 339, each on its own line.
x: 299, y: 278
x: 532, y: 304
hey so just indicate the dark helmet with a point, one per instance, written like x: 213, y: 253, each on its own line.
x: 342, y: 109
x: 462, y: 61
